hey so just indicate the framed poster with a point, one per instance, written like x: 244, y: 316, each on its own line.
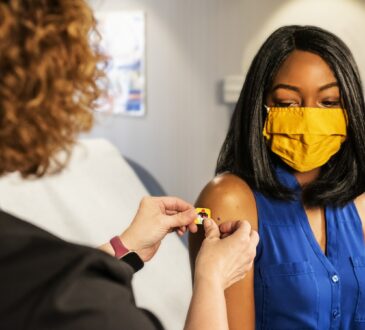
x: 123, y: 42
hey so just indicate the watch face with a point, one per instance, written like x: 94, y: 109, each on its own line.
x: 133, y: 259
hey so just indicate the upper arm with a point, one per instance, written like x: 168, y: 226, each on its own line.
x: 230, y: 198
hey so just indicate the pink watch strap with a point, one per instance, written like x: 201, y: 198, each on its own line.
x: 119, y: 249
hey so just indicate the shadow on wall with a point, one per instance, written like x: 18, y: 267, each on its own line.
x: 345, y: 18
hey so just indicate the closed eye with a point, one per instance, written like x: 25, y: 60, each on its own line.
x: 331, y: 104
x: 285, y: 101
x: 286, y: 104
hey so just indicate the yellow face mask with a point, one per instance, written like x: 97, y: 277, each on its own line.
x: 305, y: 138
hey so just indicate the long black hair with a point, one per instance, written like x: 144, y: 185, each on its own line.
x: 244, y: 151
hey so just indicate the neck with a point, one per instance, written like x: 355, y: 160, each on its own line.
x: 304, y: 178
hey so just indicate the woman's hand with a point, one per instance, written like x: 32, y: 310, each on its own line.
x: 227, y: 253
x: 155, y: 218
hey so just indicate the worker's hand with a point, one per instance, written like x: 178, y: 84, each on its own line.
x: 155, y: 218
x: 227, y: 253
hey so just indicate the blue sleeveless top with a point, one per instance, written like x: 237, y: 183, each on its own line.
x: 297, y: 286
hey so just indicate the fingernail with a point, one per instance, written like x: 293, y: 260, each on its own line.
x: 207, y: 222
x: 192, y: 212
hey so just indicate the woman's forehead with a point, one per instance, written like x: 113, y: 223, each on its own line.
x: 303, y: 68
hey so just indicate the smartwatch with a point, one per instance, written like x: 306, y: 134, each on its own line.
x: 123, y: 253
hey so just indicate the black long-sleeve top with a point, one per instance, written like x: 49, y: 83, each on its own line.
x: 47, y: 283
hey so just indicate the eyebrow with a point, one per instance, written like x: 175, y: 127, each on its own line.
x: 285, y: 86
x: 330, y: 85
x: 297, y: 89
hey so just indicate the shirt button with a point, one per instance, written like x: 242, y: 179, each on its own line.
x: 335, y: 278
x: 335, y: 314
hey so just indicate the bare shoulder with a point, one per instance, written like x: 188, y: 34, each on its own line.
x: 360, y: 200
x: 230, y: 198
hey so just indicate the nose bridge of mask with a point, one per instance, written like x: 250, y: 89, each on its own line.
x: 305, y: 121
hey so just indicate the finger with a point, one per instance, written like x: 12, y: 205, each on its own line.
x: 180, y: 232
x: 181, y: 219
x: 228, y: 227
x: 174, y: 203
x: 254, y: 237
x: 224, y: 235
x: 193, y: 228
x: 244, y: 227
x: 211, y: 229
x: 243, y: 230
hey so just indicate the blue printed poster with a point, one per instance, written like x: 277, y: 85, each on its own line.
x: 123, y: 41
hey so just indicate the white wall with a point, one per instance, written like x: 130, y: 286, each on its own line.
x: 191, y: 46
x: 345, y: 18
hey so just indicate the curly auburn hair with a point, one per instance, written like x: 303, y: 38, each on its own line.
x: 49, y: 73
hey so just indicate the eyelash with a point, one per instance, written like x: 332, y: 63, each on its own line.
x: 285, y: 104
x: 326, y: 103
x: 282, y: 104
x: 330, y: 104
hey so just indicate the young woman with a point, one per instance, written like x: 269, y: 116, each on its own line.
x: 293, y: 164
